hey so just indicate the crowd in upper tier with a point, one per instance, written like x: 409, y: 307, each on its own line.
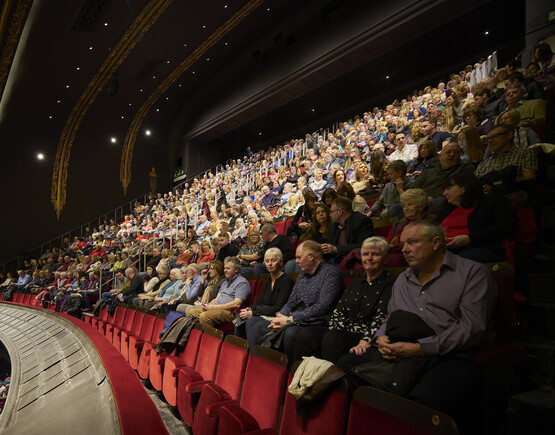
x: 437, y: 167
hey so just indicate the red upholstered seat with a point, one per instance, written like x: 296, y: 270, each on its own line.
x: 137, y: 341
x: 135, y: 330
x: 117, y: 320
x: 186, y: 371
x: 26, y: 299
x: 262, y: 395
x: 158, y: 360
x: 93, y: 321
x: 143, y: 367
x: 227, y: 386
x: 281, y: 227
x: 125, y: 326
x: 375, y: 411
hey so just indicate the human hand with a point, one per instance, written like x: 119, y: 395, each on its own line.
x: 459, y: 241
x: 360, y: 348
x: 245, y: 313
x: 328, y: 249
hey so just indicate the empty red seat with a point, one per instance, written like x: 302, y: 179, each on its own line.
x: 229, y: 377
x: 375, y: 411
x: 137, y: 341
x: 185, y: 368
x: 117, y: 320
x: 158, y: 360
x: 135, y: 330
x: 93, y: 321
x: 262, y: 396
x: 125, y: 326
x: 143, y: 368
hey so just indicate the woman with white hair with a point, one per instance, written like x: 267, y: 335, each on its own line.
x: 168, y: 290
x: 240, y: 231
x: 359, y: 313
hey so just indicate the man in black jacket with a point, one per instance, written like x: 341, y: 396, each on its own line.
x: 226, y: 249
x: 135, y: 285
x: 348, y: 230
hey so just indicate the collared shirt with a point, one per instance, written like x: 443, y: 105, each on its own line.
x: 170, y: 289
x: 409, y: 152
x: 523, y: 158
x: 192, y: 290
x: 457, y: 303
x: 22, y: 281
x: 235, y: 288
x: 317, y: 292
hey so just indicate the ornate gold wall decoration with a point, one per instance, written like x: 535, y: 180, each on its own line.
x: 16, y: 22
x: 131, y: 137
x: 132, y: 36
x: 153, y: 176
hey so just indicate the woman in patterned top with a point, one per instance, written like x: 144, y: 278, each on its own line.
x: 359, y: 313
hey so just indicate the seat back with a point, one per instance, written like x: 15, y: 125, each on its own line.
x: 119, y: 315
x: 264, y: 385
x: 231, y: 365
x: 127, y: 324
x: 377, y: 411
x: 326, y: 415
x: 156, y: 330
x: 191, y: 352
x: 137, y: 323
x: 208, y: 353
x: 503, y: 274
x: 148, y: 326
x: 103, y: 314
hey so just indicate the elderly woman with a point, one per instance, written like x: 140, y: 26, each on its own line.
x: 476, y: 224
x: 210, y: 282
x: 359, y: 313
x: 414, y: 202
x: 191, y: 290
x: 274, y: 295
x: 252, y: 251
x: 473, y: 116
x: 168, y: 291
x: 240, y: 231
x: 146, y: 300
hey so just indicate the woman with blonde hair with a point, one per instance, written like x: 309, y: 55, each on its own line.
x: 206, y: 252
x: 471, y: 145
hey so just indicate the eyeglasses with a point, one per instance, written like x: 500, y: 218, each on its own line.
x: 493, y: 136
x: 337, y: 209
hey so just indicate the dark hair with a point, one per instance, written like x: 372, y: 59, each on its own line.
x: 314, y: 229
x: 544, y: 52
x: 518, y: 76
x: 398, y: 165
x: 330, y: 192
x: 346, y: 190
x: 473, y: 190
x: 343, y: 203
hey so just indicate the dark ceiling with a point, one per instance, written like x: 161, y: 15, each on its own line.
x: 208, y: 58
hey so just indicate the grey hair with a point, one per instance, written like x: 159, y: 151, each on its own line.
x: 275, y: 252
x: 234, y: 261
x: 378, y: 242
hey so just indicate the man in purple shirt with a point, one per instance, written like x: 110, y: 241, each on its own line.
x: 450, y: 296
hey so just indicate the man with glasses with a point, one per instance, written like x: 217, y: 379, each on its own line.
x: 348, y: 230
x: 508, y: 166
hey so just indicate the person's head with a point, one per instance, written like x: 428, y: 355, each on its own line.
x: 450, y: 155
x: 543, y: 52
x: 130, y: 272
x: 310, y: 198
x: 321, y: 215
x: 253, y: 237
x: 428, y: 126
x: 163, y: 271
x: 273, y: 260
x: 472, y: 115
x: 265, y: 217
x: 193, y: 270
x: 216, y: 269
x: 400, y: 140
x: 470, y: 142
x: 514, y: 93
x: 413, y: 201
x: 397, y: 169
x: 362, y: 171
x: 150, y: 271
x: 531, y: 70
x: 341, y: 209
x: 195, y: 247
x: 205, y: 247
x: 423, y: 245
x: 339, y: 177
x: 308, y: 256
x: 232, y: 267
x: 427, y: 150
x: 268, y: 232
x: 175, y: 274
x: 481, y: 94
x: 510, y: 117
x: 373, y: 253
x: 463, y: 190
x: 223, y: 240
x: 500, y: 138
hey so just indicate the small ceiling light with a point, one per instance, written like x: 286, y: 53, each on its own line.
x: 78, y: 68
x: 204, y: 27
x: 130, y: 104
x: 386, y: 77
x: 207, y: 58
x: 40, y: 156
x: 487, y: 33
x: 122, y: 117
x: 167, y: 98
x: 50, y: 116
x: 147, y: 132
x: 184, y: 45
x: 113, y: 140
x: 67, y: 86
x: 268, y: 9
x: 193, y: 72
x: 157, y: 110
x: 313, y: 110
x: 225, y: 6
x: 168, y: 61
x: 225, y: 43
x: 179, y: 84
x: 58, y: 101
x: 260, y: 134
x: 140, y: 90
x: 90, y: 48
x: 105, y: 24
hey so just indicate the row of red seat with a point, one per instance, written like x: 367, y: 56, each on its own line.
x: 219, y: 387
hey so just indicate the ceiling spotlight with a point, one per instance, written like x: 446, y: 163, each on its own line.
x: 67, y: 86
x: 58, y: 101
x: 260, y: 134
x: 122, y: 117
x: 184, y: 45
x: 225, y: 43
x: 113, y: 140
x: 157, y: 110
x: 179, y: 84
x: 78, y: 68
x: 140, y: 90
x: 168, y: 61
x: 90, y: 48
x: 313, y: 110
x: 147, y: 132
x: 386, y: 77
x: 193, y: 72
x: 130, y: 104
x: 207, y: 58
x: 40, y: 156
x: 268, y: 9
x: 50, y: 116
x: 153, y: 77
x: 487, y: 33
x: 167, y: 98
x: 225, y: 6
x: 204, y: 27
x: 105, y: 24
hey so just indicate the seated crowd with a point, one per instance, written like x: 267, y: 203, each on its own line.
x: 439, y: 165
